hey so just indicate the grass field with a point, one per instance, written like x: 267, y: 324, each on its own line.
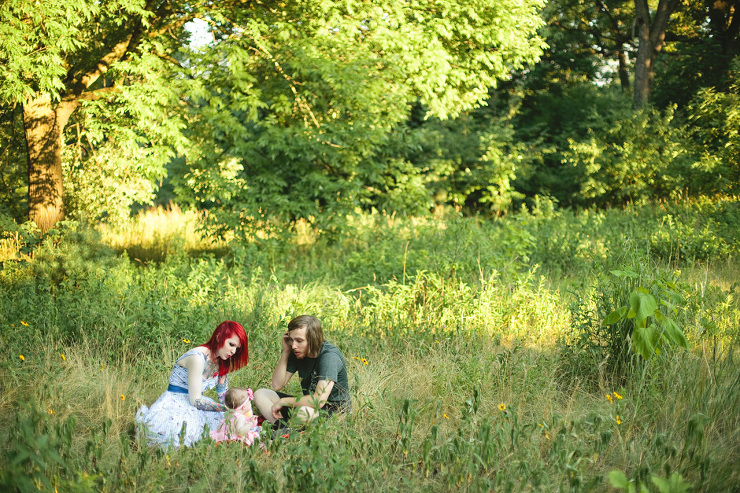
x: 476, y: 350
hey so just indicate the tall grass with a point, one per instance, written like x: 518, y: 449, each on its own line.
x: 476, y: 355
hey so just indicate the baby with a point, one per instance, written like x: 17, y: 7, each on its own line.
x: 239, y: 424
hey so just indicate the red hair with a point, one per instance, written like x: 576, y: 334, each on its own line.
x: 224, y: 331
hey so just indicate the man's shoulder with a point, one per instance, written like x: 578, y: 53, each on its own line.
x: 329, y: 352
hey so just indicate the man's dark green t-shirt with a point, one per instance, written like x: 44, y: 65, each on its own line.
x: 329, y: 365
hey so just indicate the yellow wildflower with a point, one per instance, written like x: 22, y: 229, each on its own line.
x: 50, y: 411
x: 23, y: 322
x: 617, y: 396
x: 609, y: 398
x: 445, y: 416
x: 186, y: 341
x: 619, y: 421
x: 123, y: 397
x: 63, y: 357
x: 364, y: 361
x: 23, y: 358
x: 502, y: 407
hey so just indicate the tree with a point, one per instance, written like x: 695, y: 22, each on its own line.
x: 58, y: 54
x: 302, y: 110
x: 651, y: 33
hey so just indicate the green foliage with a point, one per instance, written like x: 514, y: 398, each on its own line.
x: 651, y: 327
x: 307, y: 118
x: 13, y: 167
x: 715, y: 132
x: 455, y: 377
x: 43, y: 456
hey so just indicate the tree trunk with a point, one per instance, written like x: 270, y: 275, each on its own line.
x: 44, y: 125
x: 624, y: 74
x: 651, y: 36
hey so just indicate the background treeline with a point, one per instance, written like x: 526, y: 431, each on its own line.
x: 316, y: 110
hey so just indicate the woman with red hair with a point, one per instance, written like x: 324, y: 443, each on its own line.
x: 183, y: 403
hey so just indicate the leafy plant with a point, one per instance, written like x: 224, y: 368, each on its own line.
x: 651, y: 327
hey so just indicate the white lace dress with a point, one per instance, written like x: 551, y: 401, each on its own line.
x: 163, y: 421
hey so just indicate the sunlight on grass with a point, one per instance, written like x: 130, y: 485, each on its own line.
x: 157, y: 232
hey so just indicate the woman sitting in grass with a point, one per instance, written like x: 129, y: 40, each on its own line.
x: 322, y: 370
x: 183, y: 403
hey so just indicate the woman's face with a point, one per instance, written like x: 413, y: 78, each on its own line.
x: 299, y: 343
x: 229, y: 348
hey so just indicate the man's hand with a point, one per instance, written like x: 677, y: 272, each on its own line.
x: 287, y: 342
x: 276, y: 410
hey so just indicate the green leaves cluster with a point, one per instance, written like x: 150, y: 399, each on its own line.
x: 651, y: 327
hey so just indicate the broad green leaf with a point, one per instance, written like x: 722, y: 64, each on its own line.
x: 616, y: 315
x: 644, y: 341
x: 643, y: 304
x: 674, y: 484
x: 673, y: 333
x: 625, y: 273
x: 618, y: 479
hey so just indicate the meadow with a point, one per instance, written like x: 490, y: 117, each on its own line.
x: 477, y: 351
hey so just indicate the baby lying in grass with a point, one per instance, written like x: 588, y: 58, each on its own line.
x: 239, y: 424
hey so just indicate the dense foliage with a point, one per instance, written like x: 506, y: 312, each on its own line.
x: 478, y: 352
x: 315, y: 110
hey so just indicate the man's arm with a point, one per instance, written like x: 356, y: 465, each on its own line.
x: 315, y: 401
x: 281, y: 376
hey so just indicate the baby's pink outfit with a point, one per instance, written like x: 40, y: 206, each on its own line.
x: 226, y: 431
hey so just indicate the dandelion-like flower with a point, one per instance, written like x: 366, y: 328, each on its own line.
x: 22, y: 358
x: 186, y: 341
x: 50, y: 411
x: 619, y: 421
x: 609, y: 398
x: 123, y: 397
x: 502, y: 407
x: 617, y: 396
x: 64, y: 358
x: 445, y: 416
x: 23, y: 322
x: 364, y: 361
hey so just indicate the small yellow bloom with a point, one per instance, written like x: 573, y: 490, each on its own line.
x: 609, y: 398
x: 445, y: 416
x: 619, y: 421
x: 186, y: 341
x: 547, y: 435
x: 123, y: 397
x: 101, y: 365
x: 23, y: 358
x: 617, y: 396
x: 502, y: 407
x: 23, y: 322
x: 355, y: 357
x: 541, y: 425
x: 50, y: 411
x: 63, y: 357
x: 364, y: 361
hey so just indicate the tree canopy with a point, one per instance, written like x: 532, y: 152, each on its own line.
x: 315, y: 109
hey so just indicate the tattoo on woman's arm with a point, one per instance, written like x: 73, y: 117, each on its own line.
x: 207, y: 404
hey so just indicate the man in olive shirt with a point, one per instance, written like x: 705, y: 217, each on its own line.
x: 321, y: 368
